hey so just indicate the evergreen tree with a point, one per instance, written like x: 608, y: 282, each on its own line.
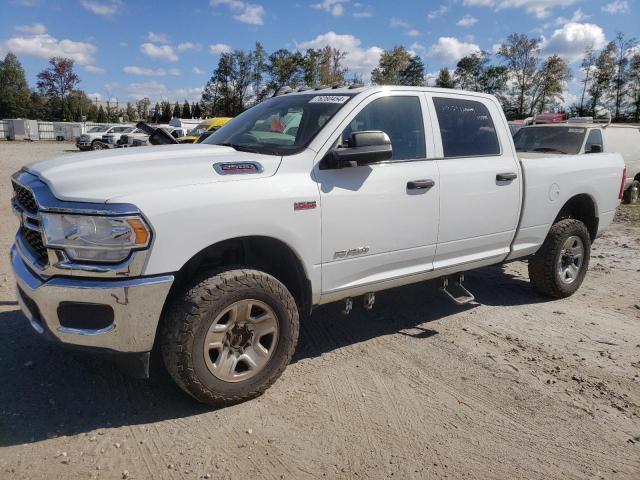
x: 444, y: 79
x: 176, y: 110
x: 131, y: 112
x: 15, y: 96
x: 197, y: 110
x: 102, y: 116
x: 165, y: 116
x: 156, y: 113
x: 186, y: 110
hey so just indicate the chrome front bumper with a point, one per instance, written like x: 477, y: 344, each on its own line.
x: 136, y: 302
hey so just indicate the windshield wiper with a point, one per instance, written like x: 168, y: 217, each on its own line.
x: 548, y: 149
x: 240, y: 148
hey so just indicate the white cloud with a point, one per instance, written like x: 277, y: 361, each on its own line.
x: 33, y: 29
x: 157, y: 37
x: 417, y: 48
x: 617, y: 6
x: 184, y: 46
x: 538, y: 8
x: 334, y: 7
x: 450, y: 49
x: 151, y: 72
x: 467, y: 21
x: 94, y: 70
x: 571, y: 40
x: 218, y: 48
x: 399, y: 23
x: 106, y: 9
x: 161, y: 52
x: 358, y: 59
x: 438, y: 12
x: 413, y: 32
x: 196, y: 71
x: 362, y: 14
x: 46, y: 46
x: 577, y: 16
x: 158, y: 91
x: 245, y: 12
x: 632, y: 51
x: 94, y: 96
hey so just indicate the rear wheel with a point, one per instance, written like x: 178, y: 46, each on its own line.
x: 559, y: 267
x: 230, y: 336
x: 632, y: 193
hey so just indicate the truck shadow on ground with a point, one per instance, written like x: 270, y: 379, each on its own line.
x: 48, y: 391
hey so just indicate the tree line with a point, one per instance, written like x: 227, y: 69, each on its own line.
x: 522, y: 79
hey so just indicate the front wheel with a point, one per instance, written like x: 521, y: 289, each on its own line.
x: 230, y: 336
x: 559, y: 267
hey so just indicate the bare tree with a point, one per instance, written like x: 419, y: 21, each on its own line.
x: 586, y: 66
x: 521, y: 54
x: 621, y: 79
x: 58, y: 80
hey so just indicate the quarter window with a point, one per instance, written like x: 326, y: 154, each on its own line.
x: 594, y: 138
x: 466, y: 128
x: 400, y: 117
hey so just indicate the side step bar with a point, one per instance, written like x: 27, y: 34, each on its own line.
x: 456, y: 291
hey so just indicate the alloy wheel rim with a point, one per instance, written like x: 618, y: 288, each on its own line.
x: 241, y: 340
x: 570, y: 260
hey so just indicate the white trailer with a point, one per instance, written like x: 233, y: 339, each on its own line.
x: 21, y: 129
x: 67, y: 130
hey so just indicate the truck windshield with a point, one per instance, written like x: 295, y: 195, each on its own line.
x: 567, y: 140
x: 281, y: 125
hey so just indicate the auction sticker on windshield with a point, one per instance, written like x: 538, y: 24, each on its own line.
x: 329, y: 99
x: 576, y: 130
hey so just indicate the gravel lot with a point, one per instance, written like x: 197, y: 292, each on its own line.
x: 517, y: 386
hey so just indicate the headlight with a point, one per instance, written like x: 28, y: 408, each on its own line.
x: 93, y: 238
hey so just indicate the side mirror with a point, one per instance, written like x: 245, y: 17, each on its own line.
x: 595, y: 148
x: 363, y: 148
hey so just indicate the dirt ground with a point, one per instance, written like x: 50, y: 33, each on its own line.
x: 517, y: 386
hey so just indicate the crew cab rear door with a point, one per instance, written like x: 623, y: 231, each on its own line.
x: 480, y: 179
x: 380, y: 221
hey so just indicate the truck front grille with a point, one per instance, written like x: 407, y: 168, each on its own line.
x: 31, y: 234
x: 25, y: 198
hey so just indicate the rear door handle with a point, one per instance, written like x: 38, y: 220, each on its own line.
x: 420, y: 184
x: 506, y: 177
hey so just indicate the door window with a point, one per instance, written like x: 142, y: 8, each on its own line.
x: 594, y: 138
x: 400, y: 117
x: 466, y: 128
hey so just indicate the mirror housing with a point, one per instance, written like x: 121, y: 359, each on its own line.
x: 595, y: 148
x: 363, y: 148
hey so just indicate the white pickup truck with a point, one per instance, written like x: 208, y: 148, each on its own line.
x: 212, y: 252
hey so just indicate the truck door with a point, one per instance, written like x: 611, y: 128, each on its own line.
x: 380, y: 221
x: 480, y: 184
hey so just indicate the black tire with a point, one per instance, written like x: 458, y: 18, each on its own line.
x: 543, y: 266
x: 190, y: 316
x: 632, y: 193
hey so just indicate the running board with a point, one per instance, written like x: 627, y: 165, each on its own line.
x: 456, y: 291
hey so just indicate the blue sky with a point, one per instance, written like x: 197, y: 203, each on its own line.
x: 166, y: 50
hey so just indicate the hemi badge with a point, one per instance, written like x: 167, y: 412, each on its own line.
x: 304, y: 205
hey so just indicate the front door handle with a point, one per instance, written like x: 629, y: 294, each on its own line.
x: 506, y: 177
x: 420, y: 184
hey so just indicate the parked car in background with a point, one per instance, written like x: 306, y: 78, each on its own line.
x: 578, y: 136
x: 89, y: 139
x: 114, y: 135
x: 209, y: 125
x: 215, y: 253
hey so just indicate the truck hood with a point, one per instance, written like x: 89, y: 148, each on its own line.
x: 104, y: 174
